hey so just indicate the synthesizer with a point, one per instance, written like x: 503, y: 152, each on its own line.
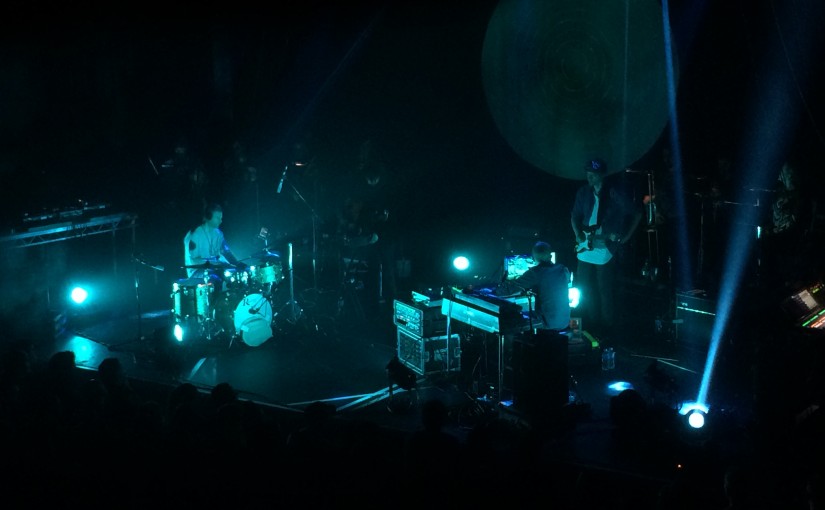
x: 486, y: 312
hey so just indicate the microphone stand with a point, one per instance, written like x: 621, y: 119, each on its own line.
x: 315, y: 219
x: 530, y: 310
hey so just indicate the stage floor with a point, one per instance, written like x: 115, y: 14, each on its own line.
x: 318, y: 358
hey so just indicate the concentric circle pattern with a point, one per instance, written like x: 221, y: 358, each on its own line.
x: 569, y: 80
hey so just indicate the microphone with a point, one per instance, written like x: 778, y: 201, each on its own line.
x: 283, y: 176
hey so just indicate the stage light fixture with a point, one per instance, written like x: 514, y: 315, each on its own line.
x: 179, y: 332
x: 461, y: 263
x: 696, y: 419
x: 695, y: 413
x: 574, y: 296
x: 83, y: 305
x: 78, y: 295
x: 619, y: 386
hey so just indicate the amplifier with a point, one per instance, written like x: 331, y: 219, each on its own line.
x: 695, y: 301
x: 425, y: 355
x: 419, y: 319
x: 694, y: 318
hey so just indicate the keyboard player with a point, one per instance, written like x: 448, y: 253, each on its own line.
x: 547, y: 283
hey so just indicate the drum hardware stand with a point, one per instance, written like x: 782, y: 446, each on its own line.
x: 295, y: 311
x: 138, y: 261
x: 315, y: 219
x: 347, y: 291
x: 208, y: 320
x: 651, y: 265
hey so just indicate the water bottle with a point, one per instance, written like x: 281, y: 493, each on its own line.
x: 606, y: 359
x: 611, y: 358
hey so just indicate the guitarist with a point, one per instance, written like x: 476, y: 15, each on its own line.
x: 603, y: 218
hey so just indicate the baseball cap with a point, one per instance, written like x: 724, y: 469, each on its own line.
x: 596, y: 166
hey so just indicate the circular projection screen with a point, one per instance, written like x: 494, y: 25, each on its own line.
x: 571, y: 80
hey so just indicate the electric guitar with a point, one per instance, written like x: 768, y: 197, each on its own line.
x: 596, y: 248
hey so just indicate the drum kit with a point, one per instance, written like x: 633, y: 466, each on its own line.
x: 227, y: 299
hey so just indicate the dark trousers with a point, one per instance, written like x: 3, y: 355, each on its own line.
x: 598, y: 294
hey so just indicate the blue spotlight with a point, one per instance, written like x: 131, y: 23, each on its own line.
x: 695, y: 412
x: 696, y: 419
x: 78, y: 295
x: 617, y: 387
x: 461, y: 263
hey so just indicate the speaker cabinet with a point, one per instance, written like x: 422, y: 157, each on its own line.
x: 539, y: 373
x: 694, y: 319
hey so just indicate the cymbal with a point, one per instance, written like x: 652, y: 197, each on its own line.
x: 210, y: 265
x: 262, y: 256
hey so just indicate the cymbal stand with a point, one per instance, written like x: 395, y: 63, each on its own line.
x: 210, y: 320
x: 138, y: 261
x: 652, y: 265
x: 295, y: 311
x: 315, y: 219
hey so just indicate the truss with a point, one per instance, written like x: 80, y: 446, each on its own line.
x: 70, y: 230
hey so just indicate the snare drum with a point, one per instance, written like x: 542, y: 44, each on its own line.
x: 253, y: 320
x: 191, y: 300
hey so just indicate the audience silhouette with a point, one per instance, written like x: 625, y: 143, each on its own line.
x: 65, y: 427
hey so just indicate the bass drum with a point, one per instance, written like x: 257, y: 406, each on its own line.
x: 253, y: 320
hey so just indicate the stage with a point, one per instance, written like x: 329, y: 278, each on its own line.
x: 324, y: 374
x: 315, y: 357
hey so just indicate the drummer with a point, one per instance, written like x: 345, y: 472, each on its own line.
x: 206, y: 252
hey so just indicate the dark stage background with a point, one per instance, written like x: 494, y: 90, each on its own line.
x: 92, y: 111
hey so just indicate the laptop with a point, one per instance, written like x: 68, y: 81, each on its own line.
x: 517, y: 265
x: 806, y: 307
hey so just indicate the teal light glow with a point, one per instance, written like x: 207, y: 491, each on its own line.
x: 461, y: 263
x: 619, y: 386
x: 79, y: 295
x: 574, y: 296
x: 178, y: 332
